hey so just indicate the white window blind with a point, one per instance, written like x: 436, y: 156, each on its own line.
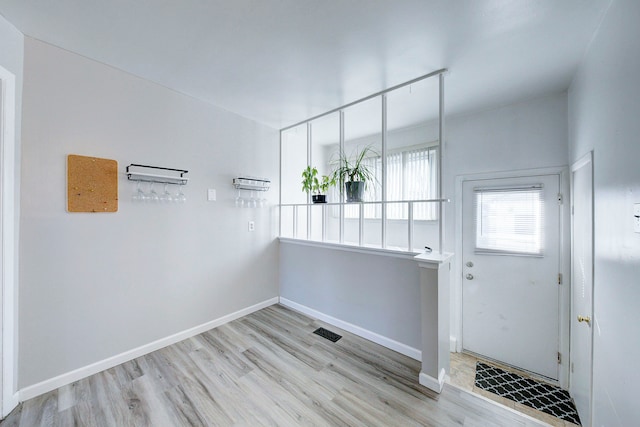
x: 411, y: 175
x: 509, y: 220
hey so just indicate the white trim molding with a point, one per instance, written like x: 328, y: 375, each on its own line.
x: 432, y: 383
x: 389, y: 343
x: 69, y: 377
x: 453, y: 344
x: 10, y: 397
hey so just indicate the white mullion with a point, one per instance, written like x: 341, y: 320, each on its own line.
x: 309, y: 193
x: 279, y: 191
x: 341, y: 183
x: 440, y: 165
x: 384, y: 172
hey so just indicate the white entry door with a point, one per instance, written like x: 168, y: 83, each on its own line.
x: 510, y: 269
x: 582, y: 287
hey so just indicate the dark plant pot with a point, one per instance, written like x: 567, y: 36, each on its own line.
x: 354, y: 190
x: 319, y: 198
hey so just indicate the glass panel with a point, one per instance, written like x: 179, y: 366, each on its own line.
x: 325, y: 141
x: 294, y: 161
x: 412, y: 114
x: 352, y: 231
x: 363, y: 145
x: 333, y: 224
x: 372, y: 233
x: 301, y: 222
x: 425, y: 233
x: 317, y: 218
x: 412, y: 170
x: 509, y: 220
x: 286, y: 221
x: 397, y: 229
x: 412, y: 140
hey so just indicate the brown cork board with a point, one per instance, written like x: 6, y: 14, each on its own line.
x: 92, y: 184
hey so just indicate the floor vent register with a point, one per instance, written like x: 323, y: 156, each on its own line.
x: 324, y: 333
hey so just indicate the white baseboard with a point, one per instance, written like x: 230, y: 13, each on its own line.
x: 432, y: 383
x: 453, y: 344
x: 69, y: 377
x: 354, y: 329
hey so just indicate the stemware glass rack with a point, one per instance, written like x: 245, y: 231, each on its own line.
x: 251, y: 184
x: 136, y: 172
x: 157, y: 175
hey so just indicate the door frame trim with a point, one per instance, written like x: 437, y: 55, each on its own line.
x: 579, y: 164
x: 10, y: 396
x: 565, y: 254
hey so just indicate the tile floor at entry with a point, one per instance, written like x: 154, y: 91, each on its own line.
x: 463, y: 374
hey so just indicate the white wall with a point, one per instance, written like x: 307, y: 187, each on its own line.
x: 526, y: 135
x: 604, y: 106
x: 378, y: 293
x: 96, y: 285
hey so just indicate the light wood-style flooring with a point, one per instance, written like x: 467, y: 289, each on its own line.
x: 267, y: 368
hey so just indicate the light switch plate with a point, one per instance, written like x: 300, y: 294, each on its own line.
x: 636, y: 217
x: 211, y: 195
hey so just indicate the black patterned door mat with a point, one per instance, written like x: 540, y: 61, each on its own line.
x: 324, y: 333
x: 534, y: 394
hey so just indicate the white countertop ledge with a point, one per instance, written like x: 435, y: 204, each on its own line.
x: 433, y: 258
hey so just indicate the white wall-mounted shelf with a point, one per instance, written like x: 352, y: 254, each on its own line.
x: 158, y: 174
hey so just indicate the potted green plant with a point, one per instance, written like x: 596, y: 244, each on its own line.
x: 354, y: 173
x: 318, y: 186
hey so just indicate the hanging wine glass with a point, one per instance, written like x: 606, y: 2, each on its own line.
x: 145, y: 197
x: 239, y: 200
x: 138, y: 194
x: 166, y: 197
x: 153, y: 196
x: 180, y: 197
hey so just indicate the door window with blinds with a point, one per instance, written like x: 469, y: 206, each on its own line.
x: 509, y: 221
x: 412, y: 174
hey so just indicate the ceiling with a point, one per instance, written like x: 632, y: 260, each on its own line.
x: 282, y: 61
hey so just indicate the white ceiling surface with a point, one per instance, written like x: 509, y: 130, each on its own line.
x: 282, y: 61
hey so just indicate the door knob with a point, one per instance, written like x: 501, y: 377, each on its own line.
x: 586, y: 319
x: 469, y: 276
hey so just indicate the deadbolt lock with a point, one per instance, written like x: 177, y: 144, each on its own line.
x: 469, y: 264
x: 585, y: 319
